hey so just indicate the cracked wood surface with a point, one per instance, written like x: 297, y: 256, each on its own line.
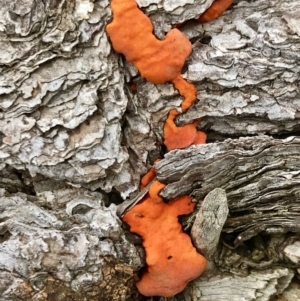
x: 74, y: 138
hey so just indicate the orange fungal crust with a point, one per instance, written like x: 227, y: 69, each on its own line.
x: 200, y: 138
x: 154, y: 190
x: 131, y: 33
x: 147, y: 178
x: 172, y: 260
x: 217, y: 8
x: 181, y: 136
x: 187, y: 90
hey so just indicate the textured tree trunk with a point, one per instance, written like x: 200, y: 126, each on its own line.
x: 79, y: 126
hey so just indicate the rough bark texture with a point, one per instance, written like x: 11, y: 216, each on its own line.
x: 74, y: 140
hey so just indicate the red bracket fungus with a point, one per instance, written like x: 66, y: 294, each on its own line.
x: 172, y: 261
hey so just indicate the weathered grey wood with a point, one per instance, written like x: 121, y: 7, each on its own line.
x: 165, y: 13
x: 70, y: 126
x: 62, y: 94
x: 257, y: 286
x: 249, y: 70
x: 259, y: 174
x: 261, y: 178
x: 291, y: 293
x: 76, y: 252
x: 209, y: 221
x: 245, y: 66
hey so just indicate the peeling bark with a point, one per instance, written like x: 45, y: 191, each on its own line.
x: 75, y: 139
x: 75, y: 250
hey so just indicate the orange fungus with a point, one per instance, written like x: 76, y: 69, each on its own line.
x: 147, y: 178
x: 131, y: 33
x: 172, y: 260
x: 154, y: 190
x: 187, y: 90
x: 181, y: 136
x: 215, y: 10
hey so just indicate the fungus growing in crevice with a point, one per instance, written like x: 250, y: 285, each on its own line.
x: 181, y: 136
x: 187, y: 90
x: 217, y: 8
x: 172, y: 261
x: 154, y: 190
x: 147, y: 178
x: 131, y: 33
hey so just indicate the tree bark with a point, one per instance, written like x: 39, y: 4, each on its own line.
x: 79, y: 126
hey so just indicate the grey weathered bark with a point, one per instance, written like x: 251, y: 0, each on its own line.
x: 75, y: 140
